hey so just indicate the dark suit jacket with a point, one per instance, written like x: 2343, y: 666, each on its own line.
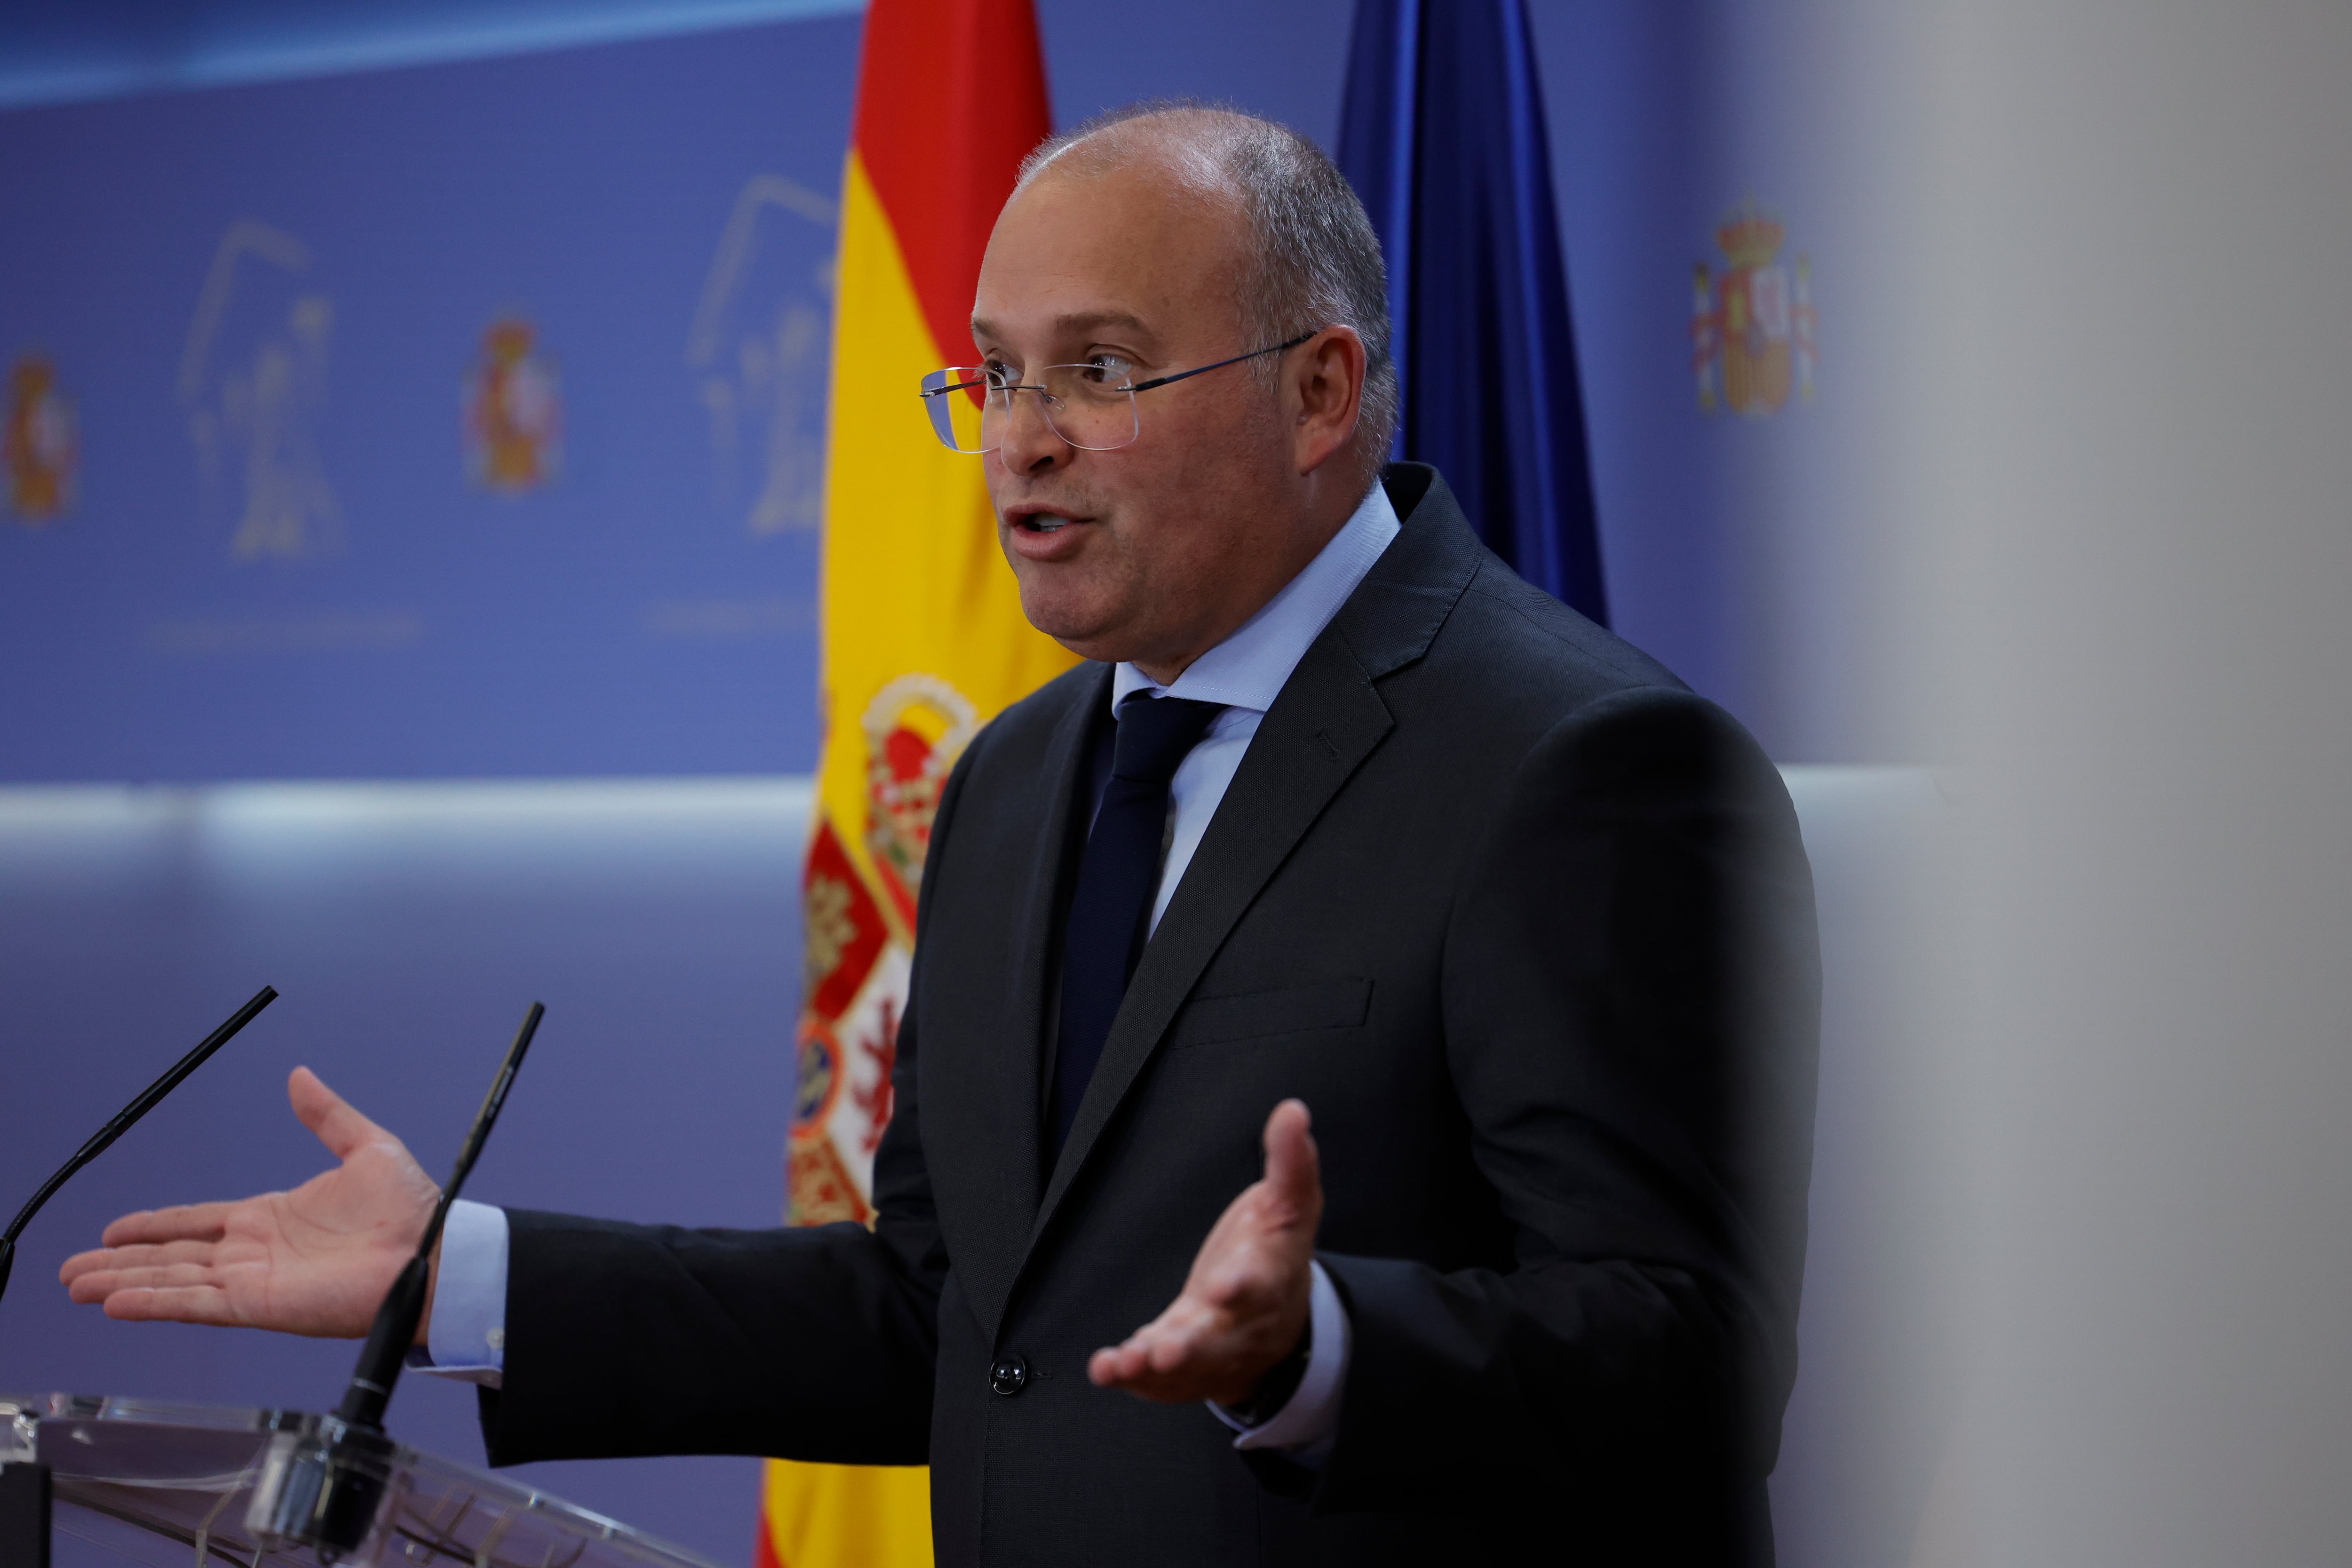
x: 1530, y: 929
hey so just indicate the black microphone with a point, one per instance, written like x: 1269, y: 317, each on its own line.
x: 323, y: 1488
x: 124, y: 1121
x: 403, y: 1305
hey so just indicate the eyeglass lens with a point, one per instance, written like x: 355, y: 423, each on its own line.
x: 1086, y: 406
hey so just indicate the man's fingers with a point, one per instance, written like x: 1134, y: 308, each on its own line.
x: 178, y: 1304
x: 188, y: 1222
x: 1168, y: 1352
x: 93, y: 1285
x: 1139, y: 1363
x: 114, y: 1259
x: 341, y: 1128
x: 1173, y: 1371
x: 1292, y: 1173
x: 104, y: 1284
x: 1161, y: 1345
x: 1113, y: 1366
x: 81, y: 1263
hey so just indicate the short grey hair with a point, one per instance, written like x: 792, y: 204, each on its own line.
x: 1313, y: 260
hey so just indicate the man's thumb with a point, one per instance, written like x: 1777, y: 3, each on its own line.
x: 1291, y: 1168
x: 341, y: 1128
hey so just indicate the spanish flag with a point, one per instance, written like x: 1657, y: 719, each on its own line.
x: 923, y: 637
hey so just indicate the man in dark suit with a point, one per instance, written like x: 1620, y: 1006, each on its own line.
x: 1342, y: 818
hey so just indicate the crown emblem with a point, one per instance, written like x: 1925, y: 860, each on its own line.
x: 1752, y: 328
x: 37, y: 444
x: 1751, y: 238
x: 507, y: 341
x: 513, y: 405
x: 915, y: 728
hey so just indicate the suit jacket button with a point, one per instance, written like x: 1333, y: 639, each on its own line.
x: 1009, y: 1375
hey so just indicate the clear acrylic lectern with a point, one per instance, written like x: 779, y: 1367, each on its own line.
x: 133, y: 1481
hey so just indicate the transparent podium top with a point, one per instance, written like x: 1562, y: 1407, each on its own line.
x: 135, y: 1481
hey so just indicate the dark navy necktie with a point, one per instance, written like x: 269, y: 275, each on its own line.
x: 1110, y: 912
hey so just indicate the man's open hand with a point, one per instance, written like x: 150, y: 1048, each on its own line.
x: 1245, y: 1305
x: 316, y: 1260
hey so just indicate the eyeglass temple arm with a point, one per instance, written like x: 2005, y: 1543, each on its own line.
x: 955, y: 386
x: 1205, y: 369
x: 1021, y: 386
x: 1140, y: 385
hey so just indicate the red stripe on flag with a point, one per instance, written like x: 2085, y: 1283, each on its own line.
x: 950, y: 97
x: 764, y: 1544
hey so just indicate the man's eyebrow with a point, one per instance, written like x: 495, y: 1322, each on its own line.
x: 1087, y: 321
x: 1075, y: 323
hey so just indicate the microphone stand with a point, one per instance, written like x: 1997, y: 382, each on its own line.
x: 25, y: 1483
x: 323, y: 1491
x: 124, y: 1120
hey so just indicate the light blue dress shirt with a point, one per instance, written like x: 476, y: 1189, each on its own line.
x: 466, y: 1337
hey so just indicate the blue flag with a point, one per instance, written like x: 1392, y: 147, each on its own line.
x: 1442, y: 136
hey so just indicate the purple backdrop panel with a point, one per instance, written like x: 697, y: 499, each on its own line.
x: 408, y: 928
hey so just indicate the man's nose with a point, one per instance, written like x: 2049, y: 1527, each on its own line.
x: 1031, y: 445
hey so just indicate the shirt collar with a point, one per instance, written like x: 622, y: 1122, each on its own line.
x: 1249, y: 667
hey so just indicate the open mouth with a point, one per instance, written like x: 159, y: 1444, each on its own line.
x: 1041, y: 522
x: 1041, y: 534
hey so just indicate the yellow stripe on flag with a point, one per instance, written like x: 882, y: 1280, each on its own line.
x: 923, y: 641
x: 833, y: 1516
x: 915, y: 582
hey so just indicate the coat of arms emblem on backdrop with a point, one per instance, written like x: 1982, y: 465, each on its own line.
x: 1752, y: 328
x: 513, y: 407
x: 38, y: 443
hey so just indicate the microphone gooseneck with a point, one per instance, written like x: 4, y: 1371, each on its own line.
x: 403, y: 1305
x: 124, y: 1120
x: 324, y: 1490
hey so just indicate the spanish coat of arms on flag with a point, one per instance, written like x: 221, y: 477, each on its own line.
x: 923, y: 637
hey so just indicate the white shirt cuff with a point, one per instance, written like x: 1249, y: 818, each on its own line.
x: 1305, y: 1427
x: 467, y: 1339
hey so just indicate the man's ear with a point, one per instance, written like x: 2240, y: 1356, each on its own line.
x: 1327, y: 393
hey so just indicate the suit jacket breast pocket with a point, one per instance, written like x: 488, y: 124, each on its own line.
x: 1325, y: 1005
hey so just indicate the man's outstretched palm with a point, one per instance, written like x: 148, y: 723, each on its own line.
x: 1245, y: 1303
x: 316, y: 1260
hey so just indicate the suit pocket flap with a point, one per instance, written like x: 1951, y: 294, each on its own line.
x: 1293, y: 1010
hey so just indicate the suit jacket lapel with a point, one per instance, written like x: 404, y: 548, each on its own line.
x: 1327, y: 720
x: 1010, y: 1165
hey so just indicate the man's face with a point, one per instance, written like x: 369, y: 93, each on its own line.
x: 1152, y: 551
